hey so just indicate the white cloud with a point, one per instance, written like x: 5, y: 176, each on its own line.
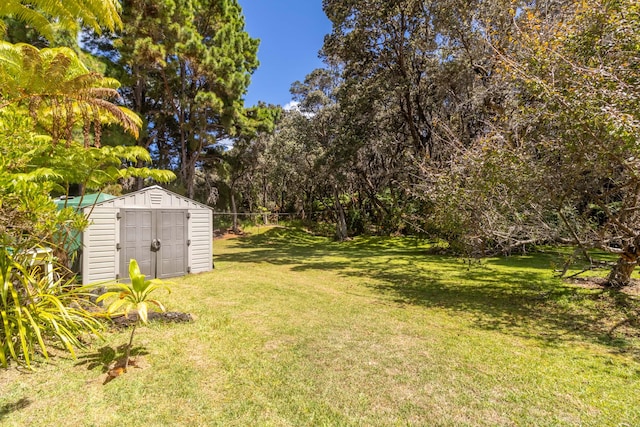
x: 291, y: 105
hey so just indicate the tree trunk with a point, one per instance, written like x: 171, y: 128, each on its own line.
x: 308, y: 199
x: 264, y: 190
x: 128, y: 354
x: 341, y: 221
x: 234, y: 212
x: 189, y: 182
x: 620, y: 275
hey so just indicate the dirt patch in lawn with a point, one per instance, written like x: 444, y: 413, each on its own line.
x: 131, y: 319
x: 219, y: 234
x: 599, y: 283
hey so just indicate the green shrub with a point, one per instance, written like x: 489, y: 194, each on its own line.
x: 37, y: 312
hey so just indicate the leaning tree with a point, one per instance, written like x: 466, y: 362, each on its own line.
x: 580, y: 80
x: 560, y: 164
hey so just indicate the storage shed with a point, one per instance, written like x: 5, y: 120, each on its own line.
x: 168, y: 234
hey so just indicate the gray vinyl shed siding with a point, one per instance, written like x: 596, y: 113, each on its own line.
x: 101, y: 259
x: 99, y: 240
x: 201, y: 233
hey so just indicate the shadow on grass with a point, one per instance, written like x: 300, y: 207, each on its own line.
x: 285, y: 246
x: 106, y: 356
x: 517, y: 295
x: 8, y: 408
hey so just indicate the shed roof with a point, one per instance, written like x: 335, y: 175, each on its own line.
x: 153, y: 197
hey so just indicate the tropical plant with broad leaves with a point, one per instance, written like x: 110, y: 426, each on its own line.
x: 124, y: 297
x: 37, y: 311
x: 52, y: 109
x: 31, y: 167
x: 60, y: 93
x: 68, y: 14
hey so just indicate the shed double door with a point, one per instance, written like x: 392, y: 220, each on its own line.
x: 157, y: 239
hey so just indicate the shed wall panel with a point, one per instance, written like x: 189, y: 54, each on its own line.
x: 99, y: 246
x: 201, y: 234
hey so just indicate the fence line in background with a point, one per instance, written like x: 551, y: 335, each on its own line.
x: 222, y: 220
x: 266, y: 218
x: 253, y: 213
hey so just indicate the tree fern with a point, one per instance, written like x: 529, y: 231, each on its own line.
x: 59, y: 91
x: 69, y: 14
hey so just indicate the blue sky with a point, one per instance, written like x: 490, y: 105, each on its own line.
x: 291, y: 33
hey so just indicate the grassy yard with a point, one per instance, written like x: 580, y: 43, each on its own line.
x: 293, y: 330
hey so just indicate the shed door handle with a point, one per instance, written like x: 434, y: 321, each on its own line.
x: 155, y: 245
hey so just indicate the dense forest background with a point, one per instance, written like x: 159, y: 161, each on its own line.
x: 493, y: 125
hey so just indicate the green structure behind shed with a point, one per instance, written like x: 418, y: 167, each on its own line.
x: 81, y: 201
x: 74, y: 242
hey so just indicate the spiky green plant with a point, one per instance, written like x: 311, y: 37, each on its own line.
x: 36, y: 312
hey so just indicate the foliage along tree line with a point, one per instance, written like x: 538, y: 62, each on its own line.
x: 496, y: 125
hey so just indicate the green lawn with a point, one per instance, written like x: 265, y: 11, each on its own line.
x: 292, y: 330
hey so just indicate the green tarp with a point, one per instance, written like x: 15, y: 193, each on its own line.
x: 74, y: 242
x: 82, y: 201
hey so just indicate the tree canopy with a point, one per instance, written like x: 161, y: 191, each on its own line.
x: 185, y: 67
x: 494, y: 125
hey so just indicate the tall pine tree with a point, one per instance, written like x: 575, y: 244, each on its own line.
x: 185, y: 66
